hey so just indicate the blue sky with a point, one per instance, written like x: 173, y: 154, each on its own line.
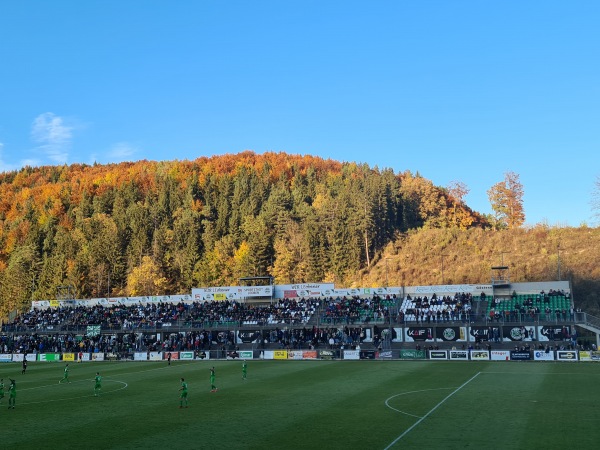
x: 455, y: 90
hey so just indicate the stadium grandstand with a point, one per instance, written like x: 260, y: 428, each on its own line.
x: 221, y: 322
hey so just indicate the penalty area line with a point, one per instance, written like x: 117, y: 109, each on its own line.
x: 123, y: 386
x: 431, y: 411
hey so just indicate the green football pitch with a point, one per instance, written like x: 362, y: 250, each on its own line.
x: 305, y: 405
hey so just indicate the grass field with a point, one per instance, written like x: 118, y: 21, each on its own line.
x: 306, y: 404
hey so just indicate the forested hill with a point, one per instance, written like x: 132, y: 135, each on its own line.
x: 165, y: 227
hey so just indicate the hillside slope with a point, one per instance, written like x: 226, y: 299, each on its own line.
x: 467, y: 256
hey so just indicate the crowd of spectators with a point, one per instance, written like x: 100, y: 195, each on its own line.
x: 357, y: 309
x: 200, y: 326
x: 156, y: 315
x: 196, y: 340
x: 436, y: 309
x: 290, y: 311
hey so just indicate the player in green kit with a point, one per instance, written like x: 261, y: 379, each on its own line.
x: 65, y: 377
x: 183, y: 396
x: 1, y: 389
x: 244, y: 370
x: 213, y: 388
x: 98, y: 385
x: 12, y: 394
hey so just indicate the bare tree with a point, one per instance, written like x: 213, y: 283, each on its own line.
x: 457, y: 190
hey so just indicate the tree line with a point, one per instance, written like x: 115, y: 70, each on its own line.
x: 151, y: 228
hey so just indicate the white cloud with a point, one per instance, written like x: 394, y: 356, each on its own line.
x: 53, y: 135
x: 122, y: 151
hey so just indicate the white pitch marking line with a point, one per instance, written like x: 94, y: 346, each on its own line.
x: 408, y: 393
x: 432, y: 410
x: 125, y: 385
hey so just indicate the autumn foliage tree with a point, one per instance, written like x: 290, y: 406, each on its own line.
x: 146, y: 227
x: 506, y: 198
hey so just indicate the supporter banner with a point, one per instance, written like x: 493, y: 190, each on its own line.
x: 481, y: 334
x: 566, y: 355
x: 520, y: 356
x: 202, y: 355
x: 364, y: 292
x: 512, y: 333
x: 413, y: 354
x: 174, y: 355
x: 255, y: 291
x: 68, y: 356
x: 351, y: 354
x: 127, y: 301
x: 480, y: 355
x: 438, y: 354
x: 473, y: 289
x: 231, y: 293
x: 383, y: 291
x: 93, y: 330
x: 5, y: 357
x: 246, y: 354
x: 421, y: 334
x: 154, y: 356
x: 303, y: 290
x: 98, y: 356
x: 542, y: 355
x: 450, y: 333
x: 553, y: 333
x: 326, y: 354
x: 397, y: 335
x: 310, y: 354
x: 500, y: 355
x: 294, y: 354
x: 366, y: 335
x: 49, y: 357
x: 279, y: 354
x: 208, y: 294
x: 595, y: 355
x: 585, y: 355
x: 140, y: 356
x: 367, y: 354
x: 248, y: 336
x: 459, y: 355
x: 387, y: 354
